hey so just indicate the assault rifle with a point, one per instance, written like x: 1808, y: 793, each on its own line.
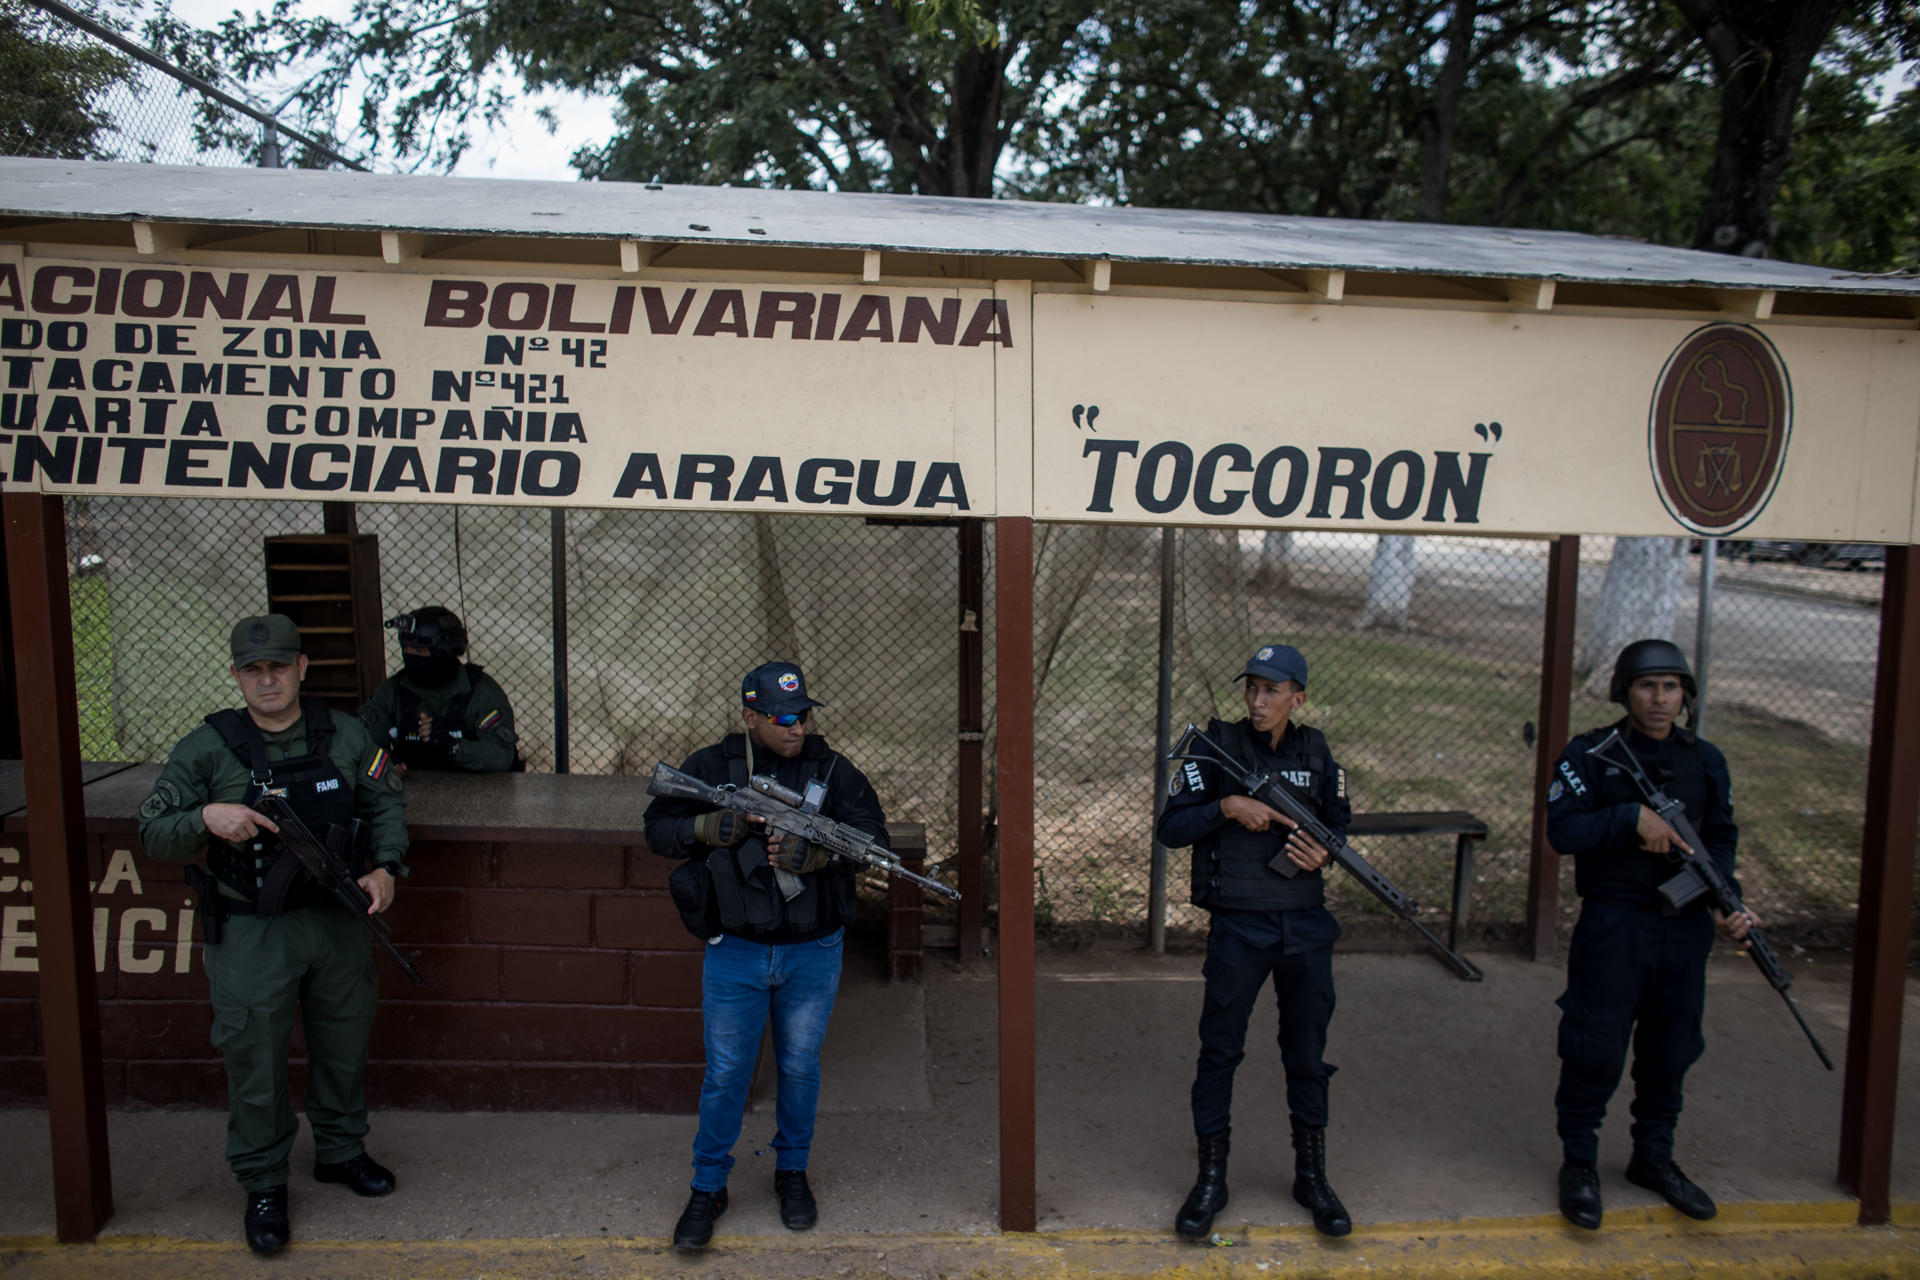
x: 1270, y: 789
x: 1700, y: 875
x: 792, y: 815
x: 325, y: 861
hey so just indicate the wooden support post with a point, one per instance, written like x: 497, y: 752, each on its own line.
x: 1013, y: 648
x: 339, y: 518
x: 971, y: 780
x: 57, y: 858
x: 1556, y: 695
x: 1886, y: 896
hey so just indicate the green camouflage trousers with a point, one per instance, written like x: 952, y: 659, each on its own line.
x: 320, y: 960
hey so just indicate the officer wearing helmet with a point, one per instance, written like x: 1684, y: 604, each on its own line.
x: 440, y: 712
x: 1636, y: 973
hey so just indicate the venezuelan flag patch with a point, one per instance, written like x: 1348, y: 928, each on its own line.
x: 377, y: 767
x: 487, y: 722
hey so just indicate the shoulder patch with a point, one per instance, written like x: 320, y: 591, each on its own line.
x: 164, y: 798
x: 1573, y: 782
x: 1340, y: 782
x: 487, y: 721
x: 1555, y: 791
x: 377, y: 767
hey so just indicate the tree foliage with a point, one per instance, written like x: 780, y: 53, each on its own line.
x: 51, y: 80
x: 857, y: 95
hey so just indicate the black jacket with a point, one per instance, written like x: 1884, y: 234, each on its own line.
x: 750, y: 905
x: 1229, y: 868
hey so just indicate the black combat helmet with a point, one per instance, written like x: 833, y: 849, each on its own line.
x: 431, y: 627
x: 1650, y: 658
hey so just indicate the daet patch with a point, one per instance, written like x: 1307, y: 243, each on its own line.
x: 1718, y: 429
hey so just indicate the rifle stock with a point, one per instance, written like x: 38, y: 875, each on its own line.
x: 1273, y: 791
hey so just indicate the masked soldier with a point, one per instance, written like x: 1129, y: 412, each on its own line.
x: 1636, y: 971
x: 277, y: 941
x: 441, y: 713
x: 773, y: 948
x: 1262, y: 923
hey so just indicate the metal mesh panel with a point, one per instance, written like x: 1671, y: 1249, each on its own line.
x: 75, y: 97
x: 1434, y: 710
x: 666, y: 611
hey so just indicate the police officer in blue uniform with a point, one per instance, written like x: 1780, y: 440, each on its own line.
x: 1636, y: 972
x: 1263, y: 924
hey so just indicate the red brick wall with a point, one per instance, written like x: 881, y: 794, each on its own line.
x: 558, y: 978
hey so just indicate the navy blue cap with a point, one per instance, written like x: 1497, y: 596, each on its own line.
x: 776, y: 689
x: 1277, y: 662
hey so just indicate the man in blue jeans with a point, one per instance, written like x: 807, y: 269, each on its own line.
x: 773, y: 949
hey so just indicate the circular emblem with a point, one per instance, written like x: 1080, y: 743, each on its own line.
x: 1264, y: 654
x: 258, y: 633
x: 789, y: 681
x: 1717, y: 434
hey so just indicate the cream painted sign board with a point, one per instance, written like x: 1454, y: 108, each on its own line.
x: 392, y: 386
x: 1416, y: 420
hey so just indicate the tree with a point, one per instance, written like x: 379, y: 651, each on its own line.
x: 872, y: 95
x: 51, y: 80
x: 1761, y: 53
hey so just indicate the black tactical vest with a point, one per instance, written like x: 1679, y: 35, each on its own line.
x: 1629, y: 872
x: 749, y: 902
x: 434, y: 753
x: 261, y: 871
x: 1230, y: 871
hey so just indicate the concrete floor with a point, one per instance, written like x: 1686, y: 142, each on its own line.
x: 1442, y: 1113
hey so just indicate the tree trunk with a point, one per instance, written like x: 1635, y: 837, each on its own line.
x: 1389, y: 582
x: 1275, y: 570
x: 1440, y: 120
x: 1638, y: 601
x: 783, y: 638
x: 1762, y: 51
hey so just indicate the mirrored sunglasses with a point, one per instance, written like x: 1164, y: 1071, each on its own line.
x: 789, y: 720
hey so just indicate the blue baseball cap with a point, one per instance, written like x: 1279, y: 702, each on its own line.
x: 1277, y: 662
x: 776, y: 689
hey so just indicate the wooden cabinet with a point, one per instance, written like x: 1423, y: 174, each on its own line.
x: 329, y: 584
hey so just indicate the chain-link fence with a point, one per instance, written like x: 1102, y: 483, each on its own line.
x: 74, y: 87
x: 1430, y: 710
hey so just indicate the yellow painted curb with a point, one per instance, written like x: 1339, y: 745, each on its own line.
x: 1757, y: 1241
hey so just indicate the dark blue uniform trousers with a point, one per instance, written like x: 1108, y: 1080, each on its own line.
x: 1235, y: 971
x: 1634, y: 977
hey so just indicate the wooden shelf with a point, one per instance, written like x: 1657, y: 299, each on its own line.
x: 329, y: 584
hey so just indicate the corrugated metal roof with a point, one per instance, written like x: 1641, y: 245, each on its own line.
x: 835, y: 220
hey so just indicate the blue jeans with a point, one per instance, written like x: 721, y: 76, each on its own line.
x: 742, y: 983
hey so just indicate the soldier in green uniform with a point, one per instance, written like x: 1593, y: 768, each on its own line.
x: 439, y: 712
x: 276, y: 941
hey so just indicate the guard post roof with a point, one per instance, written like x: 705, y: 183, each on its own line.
x: 636, y: 226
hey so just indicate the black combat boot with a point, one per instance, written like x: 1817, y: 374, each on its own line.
x: 265, y: 1222
x: 1209, y: 1194
x: 1675, y: 1187
x: 1580, y: 1193
x: 1310, y: 1187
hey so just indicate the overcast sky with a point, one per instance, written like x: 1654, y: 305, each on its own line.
x: 522, y: 148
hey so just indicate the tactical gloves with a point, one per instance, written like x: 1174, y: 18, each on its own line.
x: 721, y: 828
x: 800, y: 855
